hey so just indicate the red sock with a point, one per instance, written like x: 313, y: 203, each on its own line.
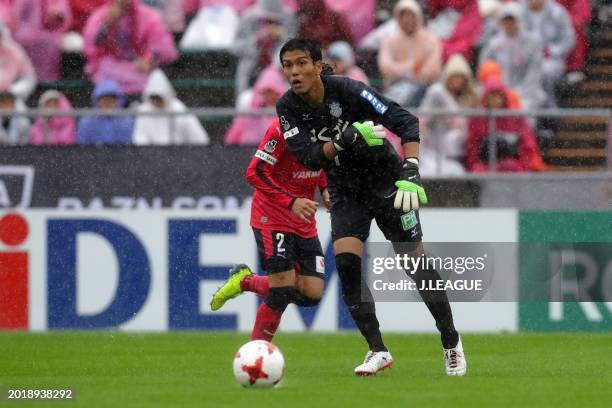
x: 266, y: 323
x: 257, y: 284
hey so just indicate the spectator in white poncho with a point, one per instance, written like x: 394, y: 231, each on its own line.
x: 519, y: 54
x: 551, y: 23
x: 159, y: 96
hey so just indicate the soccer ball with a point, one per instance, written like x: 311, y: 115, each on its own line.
x: 259, y: 364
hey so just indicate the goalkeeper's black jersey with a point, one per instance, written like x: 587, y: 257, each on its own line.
x: 364, y: 173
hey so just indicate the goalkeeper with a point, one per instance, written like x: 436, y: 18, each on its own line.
x: 324, y: 122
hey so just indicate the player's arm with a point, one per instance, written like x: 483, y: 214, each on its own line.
x: 316, y: 156
x: 410, y: 191
x: 312, y: 155
x: 379, y: 109
x: 259, y: 175
x: 374, y: 108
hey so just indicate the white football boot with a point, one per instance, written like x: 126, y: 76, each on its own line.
x: 374, y: 362
x: 454, y: 360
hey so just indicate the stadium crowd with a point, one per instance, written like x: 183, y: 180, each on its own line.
x: 430, y: 54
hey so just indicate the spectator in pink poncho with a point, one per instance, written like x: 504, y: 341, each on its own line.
x: 41, y: 25
x: 6, y: 13
x: 248, y: 130
x: 16, y: 71
x: 171, y: 11
x: 125, y: 41
x: 411, y: 58
x: 466, y: 30
x: 359, y: 13
x: 56, y: 129
x: 190, y: 7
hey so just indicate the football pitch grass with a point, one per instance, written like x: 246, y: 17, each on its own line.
x: 194, y: 369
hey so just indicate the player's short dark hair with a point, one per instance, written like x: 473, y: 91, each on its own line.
x: 312, y: 47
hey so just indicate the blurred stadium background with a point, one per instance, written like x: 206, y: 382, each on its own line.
x: 127, y: 219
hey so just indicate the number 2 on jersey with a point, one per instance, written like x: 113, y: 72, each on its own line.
x: 280, y: 237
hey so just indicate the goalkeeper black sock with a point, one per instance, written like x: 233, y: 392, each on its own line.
x: 358, y: 299
x: 438, y: 305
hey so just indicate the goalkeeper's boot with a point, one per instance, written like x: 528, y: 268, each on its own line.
x: 374, y: 362
x: 231, y: 288
x: 454, y: 360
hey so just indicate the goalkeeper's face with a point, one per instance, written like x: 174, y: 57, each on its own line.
x: 300, y: 71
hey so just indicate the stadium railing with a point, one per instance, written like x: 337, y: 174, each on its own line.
x: 491, y: 115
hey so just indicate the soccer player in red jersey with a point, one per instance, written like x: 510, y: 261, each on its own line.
x: 282, y: 217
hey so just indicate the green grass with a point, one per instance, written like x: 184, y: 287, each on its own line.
x: 194, y: 370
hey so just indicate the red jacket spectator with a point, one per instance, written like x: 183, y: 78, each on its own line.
x: 466, y: 32
x: 516, y: 144
x: 322, y: 24
x: 81, y: 9
x: 488, y: 70
x: 16, y: 71
x: 248, y: 130
x: 56, y: 129
x: 580, y: 12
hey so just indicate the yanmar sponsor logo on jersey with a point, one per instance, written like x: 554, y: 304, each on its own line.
x: 306, y: 174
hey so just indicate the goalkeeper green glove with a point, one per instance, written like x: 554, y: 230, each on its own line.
x: 410, y: 192
x: 366, y: 133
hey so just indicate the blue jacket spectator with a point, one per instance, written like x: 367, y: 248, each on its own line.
x: 106, y: 129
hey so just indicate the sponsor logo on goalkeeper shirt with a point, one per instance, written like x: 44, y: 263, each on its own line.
x: 284, y: 123
x: 335, y: 110
x: 409, y: 220
x: 374, y: 101
x: 291, y: 133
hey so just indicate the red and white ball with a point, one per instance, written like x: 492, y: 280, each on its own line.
x: 259, y: 364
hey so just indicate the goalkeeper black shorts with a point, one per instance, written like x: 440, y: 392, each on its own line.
x: 352, y: 218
